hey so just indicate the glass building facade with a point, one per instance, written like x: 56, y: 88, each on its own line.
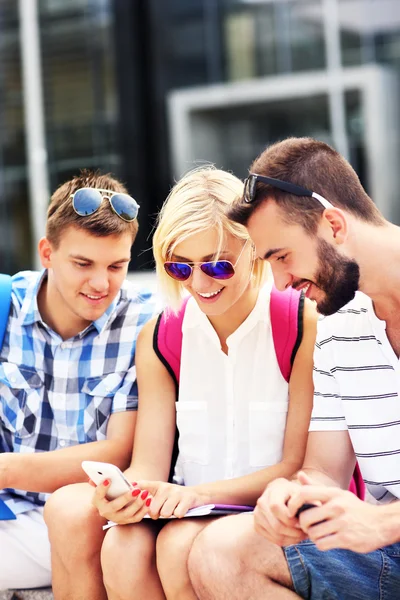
x: 109, y: 68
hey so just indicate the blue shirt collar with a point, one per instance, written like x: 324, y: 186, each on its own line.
x: 30, y: 311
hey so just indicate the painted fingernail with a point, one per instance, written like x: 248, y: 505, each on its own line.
x: 135, y: 493
x: 134, y: 483
x: 106, y: 482
x: 144, y: 495
x: 148, y: 501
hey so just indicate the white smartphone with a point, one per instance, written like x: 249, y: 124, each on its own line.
x: 99, y: 471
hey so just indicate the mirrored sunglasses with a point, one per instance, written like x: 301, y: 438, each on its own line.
x: 222, y: 269
x: 219, y: 269
x: 86, y: 201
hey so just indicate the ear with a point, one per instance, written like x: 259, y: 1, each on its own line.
x: 336, y: 225
x: 45, y: 250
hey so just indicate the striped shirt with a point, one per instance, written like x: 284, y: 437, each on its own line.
x: 56, y: 393
x: 357, y: 383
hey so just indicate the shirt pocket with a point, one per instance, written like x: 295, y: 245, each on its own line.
x: 100, y: 392
x: 21, y: 398
x: 192, y: 423
x: 267, y: 424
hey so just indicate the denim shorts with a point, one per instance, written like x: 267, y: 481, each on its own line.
x: 344, y: 575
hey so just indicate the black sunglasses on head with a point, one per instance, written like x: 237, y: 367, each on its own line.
x: 250, y: 189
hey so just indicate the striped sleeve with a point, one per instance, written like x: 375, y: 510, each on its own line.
x: 327, y: 414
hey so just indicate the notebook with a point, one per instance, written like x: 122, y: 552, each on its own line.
x: 205, y: 510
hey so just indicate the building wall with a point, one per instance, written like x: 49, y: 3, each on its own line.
x: 109, y: 66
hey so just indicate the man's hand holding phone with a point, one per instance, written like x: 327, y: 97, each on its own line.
x: 272, y: 517
x: 341, y: 520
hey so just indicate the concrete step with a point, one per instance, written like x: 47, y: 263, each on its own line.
x: 37, y: 594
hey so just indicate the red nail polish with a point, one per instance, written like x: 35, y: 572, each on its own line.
x: 148, y: 501
x: 144, y: 495
x: 106, y: 482
x: 135, y: 493
x: 134, y: 483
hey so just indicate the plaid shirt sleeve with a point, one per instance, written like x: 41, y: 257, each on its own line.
x: 56, y: 393
x: 126, y: 397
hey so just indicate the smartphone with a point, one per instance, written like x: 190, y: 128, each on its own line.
x: 99, y: 471
x: 304, y: 507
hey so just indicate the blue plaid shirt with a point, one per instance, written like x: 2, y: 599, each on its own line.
x: 56, y: 393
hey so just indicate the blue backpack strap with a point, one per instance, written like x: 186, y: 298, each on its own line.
x: 5, y: 302
x: 286, y: 309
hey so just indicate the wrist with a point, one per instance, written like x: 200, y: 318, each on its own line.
x: 5, y: 471
x: 390, y: 522
x: 205, y: 496
x: 130, y: 476
x: 282, y: 480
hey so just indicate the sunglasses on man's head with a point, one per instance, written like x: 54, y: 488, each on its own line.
x: 219, y: 269
x: 250, y: 189
x: 86, y: 201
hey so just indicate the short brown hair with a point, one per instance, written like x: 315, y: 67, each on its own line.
x: 103, y: 222
x: 313, y: 165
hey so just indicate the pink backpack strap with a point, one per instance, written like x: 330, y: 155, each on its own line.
x: 167, y: 340
x: 357, y: 485
x: 286, y: 310
x: 167, y: 344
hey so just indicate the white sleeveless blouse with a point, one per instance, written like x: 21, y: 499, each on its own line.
x: 232, y: 409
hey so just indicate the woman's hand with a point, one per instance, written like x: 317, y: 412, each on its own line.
x: 128, y: 508
x: 170, y: 500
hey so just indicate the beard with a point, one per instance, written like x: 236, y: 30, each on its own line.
x: 337, y: 276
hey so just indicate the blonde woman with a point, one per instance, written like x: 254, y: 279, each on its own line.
x: 240, y: 424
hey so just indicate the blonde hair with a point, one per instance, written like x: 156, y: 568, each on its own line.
x: 198, y: 202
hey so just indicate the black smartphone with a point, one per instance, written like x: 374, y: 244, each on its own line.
x: 304, y: 507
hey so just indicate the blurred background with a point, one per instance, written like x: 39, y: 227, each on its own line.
x: 145, y: 89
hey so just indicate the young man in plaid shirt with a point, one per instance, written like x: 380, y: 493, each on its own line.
x: 67, y: 371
